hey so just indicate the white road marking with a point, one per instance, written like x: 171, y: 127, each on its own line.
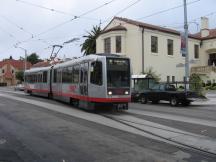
x: 188, y: 138
x: 210, y: 123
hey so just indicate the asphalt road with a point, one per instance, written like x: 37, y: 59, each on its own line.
x: 30, y: 132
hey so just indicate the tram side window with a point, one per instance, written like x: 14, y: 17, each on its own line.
x: 39, y: 78
x: 76, y: 74
x: 45, y: 77
x: 70, y: 74
x: 55, y: 76
x: 96, y: 73
x: 67, y: 75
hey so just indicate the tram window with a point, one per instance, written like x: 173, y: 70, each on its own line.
x: 96, y: 73
x: 70, y: 74
x: 55, y: 76
x: 76, y: 74
x: 67, y: 75
x: 39, y: 78
x: 81, y: 75
x: 44, y: 76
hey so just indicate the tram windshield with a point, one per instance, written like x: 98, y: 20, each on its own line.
x: 118, y: 72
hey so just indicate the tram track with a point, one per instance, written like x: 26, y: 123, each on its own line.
x: 180, y: 145
x: 136, y: 126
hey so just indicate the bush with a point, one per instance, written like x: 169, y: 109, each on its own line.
x: 208, y: 83
x: 181, y: 87
x: 203, y: 84
x: 196, y: 84
x: 208, y: 87
x: 213, y: 84
x: 212, y: 88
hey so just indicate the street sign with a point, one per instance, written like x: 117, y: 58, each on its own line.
x: 183, y: 44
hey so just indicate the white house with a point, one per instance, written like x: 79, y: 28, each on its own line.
x: 157, y: 47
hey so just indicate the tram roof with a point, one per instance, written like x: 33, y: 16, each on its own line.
x: 91, y: 57
x: 37, y: 69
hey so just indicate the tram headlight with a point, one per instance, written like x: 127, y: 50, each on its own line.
x: 110, y: 93
x: 126, y: 93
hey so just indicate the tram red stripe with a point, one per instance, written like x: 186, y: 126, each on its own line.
x: 85, y: 98
x: 38, y: 90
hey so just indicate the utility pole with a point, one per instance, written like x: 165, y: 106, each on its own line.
x: 25, y: 61
x: 186, y: 46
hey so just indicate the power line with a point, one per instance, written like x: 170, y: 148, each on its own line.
x: 159, y: 12
x: 52, y: 9
x: 166, y: 10
x: 74, y: 18
x: 122, y: 10
x: 9, y: 34
x: 17, y: 26
x: 44, y: 7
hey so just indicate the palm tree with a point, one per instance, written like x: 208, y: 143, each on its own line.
x: 89, y: 45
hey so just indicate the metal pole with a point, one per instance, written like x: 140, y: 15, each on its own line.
x: 186, y: 41
x: 143, y: 70
x: 25, y: 65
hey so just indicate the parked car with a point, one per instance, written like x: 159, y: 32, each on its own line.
x: 19, y: 87
x: 167, y: 92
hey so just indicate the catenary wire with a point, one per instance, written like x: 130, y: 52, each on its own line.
x: 17, y: 26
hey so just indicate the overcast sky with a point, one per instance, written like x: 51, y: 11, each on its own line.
x: 20, y: 21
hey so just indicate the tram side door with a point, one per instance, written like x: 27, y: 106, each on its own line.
x: 59, y: 82
x: 84, y: 79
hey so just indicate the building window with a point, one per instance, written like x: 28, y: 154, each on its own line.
x: 168, y: 79
x: 173, y: 78
x: 107, y: 45
x: 2, y: 70
x: 154, y: 44
x: 118, y: 44
x: 170, y: 46
x: 196, y: 51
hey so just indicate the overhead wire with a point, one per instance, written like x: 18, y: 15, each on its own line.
x: 74, y: 18
x: 122, y: 10
x: 56, y: 10
x: 166, y: 10
x: 161, y: 11
x: 17, y: 26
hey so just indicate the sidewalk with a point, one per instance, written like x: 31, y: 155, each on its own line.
x: 211, y: 99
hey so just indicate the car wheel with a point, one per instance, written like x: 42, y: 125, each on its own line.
x: 143, y: 99
x: 174, y: 101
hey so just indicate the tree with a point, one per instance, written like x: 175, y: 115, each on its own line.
x: 196, y: 84
x: 150, y: 72
x: 20, y: 75
x: 89, y: 45
x: 33, y: 58
x: 10, y: 58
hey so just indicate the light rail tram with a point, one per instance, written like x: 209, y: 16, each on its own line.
x: 89, y: 82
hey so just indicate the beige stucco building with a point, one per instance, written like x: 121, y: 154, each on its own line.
x: 157, y: 47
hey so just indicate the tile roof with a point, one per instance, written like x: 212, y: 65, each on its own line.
x: 41, y: 64
x: 212, y: 35
x: 116, y: 28
x: 17, y: 64
x: 152, y: 27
